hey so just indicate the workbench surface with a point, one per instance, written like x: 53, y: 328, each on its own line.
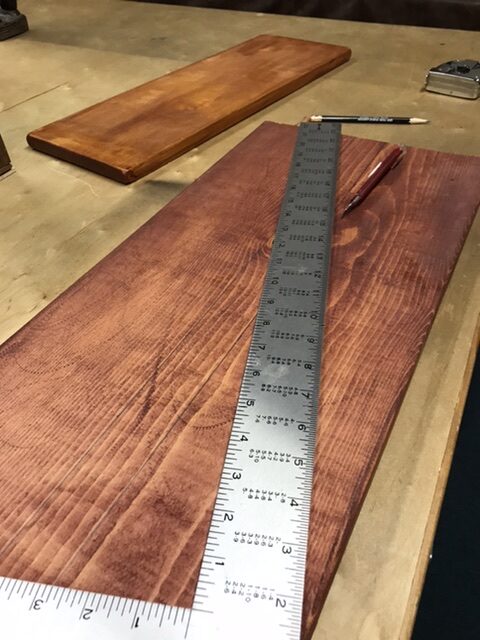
x: 57, y: 220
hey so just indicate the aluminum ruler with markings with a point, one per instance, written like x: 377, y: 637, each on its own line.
x: 252, y: 576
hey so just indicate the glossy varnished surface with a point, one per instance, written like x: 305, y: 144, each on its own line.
x: 136, y: 132
x: 119, y: 396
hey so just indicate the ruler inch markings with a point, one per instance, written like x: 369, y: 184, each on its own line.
x: 289, y: 326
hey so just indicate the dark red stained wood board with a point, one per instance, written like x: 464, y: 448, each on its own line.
x: 136, y: 132
x: 117, y: 399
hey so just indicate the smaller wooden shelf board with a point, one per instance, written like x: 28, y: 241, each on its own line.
x: 136, y: 132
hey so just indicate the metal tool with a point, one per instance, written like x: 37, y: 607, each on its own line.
x: 460, y: 78
x: 5, y: 163
x: 253, y: 570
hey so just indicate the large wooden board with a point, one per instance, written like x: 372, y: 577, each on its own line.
x: 117, y: 399
x: 136, y: 132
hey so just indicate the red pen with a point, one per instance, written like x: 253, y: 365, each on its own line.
x: 374, y: 177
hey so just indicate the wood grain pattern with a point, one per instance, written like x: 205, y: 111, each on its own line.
x: 138, y: 131
x: 117, y: 399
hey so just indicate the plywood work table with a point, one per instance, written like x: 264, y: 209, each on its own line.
x: 56, y: 221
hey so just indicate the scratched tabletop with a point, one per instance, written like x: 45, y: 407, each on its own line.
x: 57, y: 221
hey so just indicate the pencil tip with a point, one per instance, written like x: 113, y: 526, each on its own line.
x: 418, y: 121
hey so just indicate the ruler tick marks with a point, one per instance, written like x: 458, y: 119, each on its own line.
x: 276, y: 415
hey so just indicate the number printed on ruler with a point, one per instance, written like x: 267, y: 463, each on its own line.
x: 252, y: 576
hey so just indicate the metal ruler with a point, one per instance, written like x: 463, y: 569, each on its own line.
x: 252, y: 575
